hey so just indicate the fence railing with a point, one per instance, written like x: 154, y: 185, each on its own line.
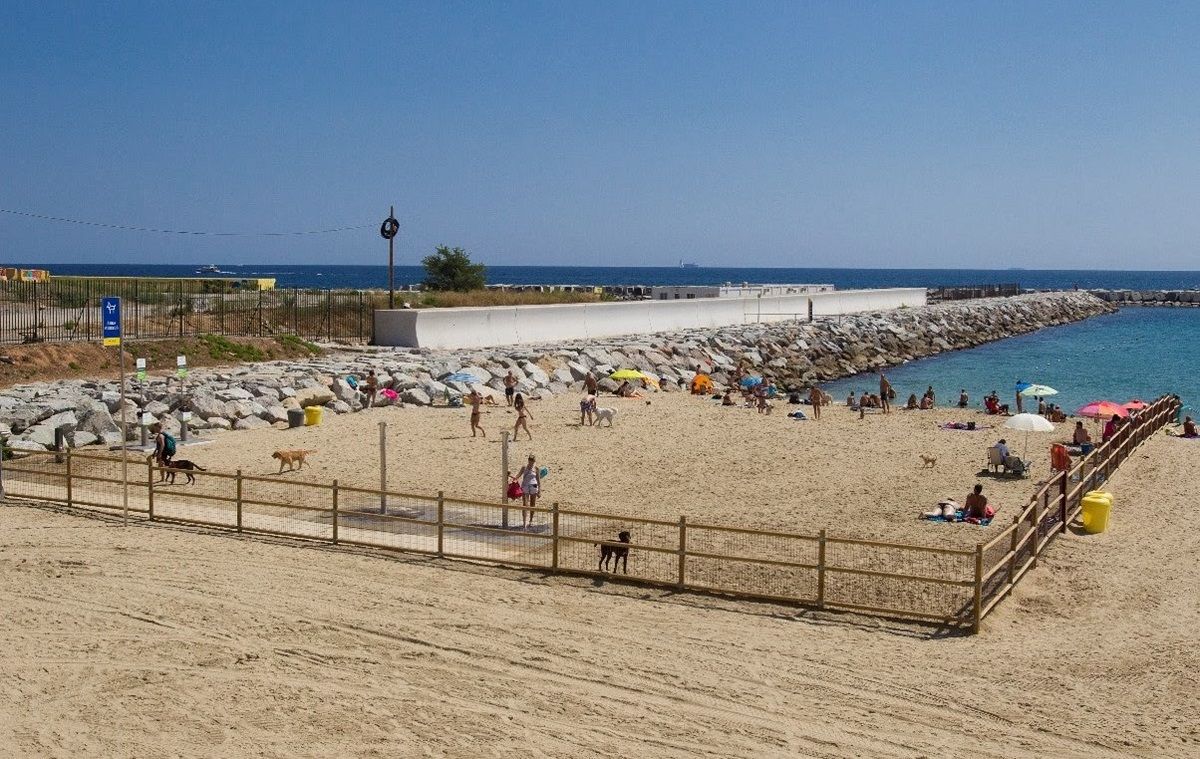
x: 64, y: 310
x: 969, y: 292
x: 1008, y: 556
x: 953, y: 586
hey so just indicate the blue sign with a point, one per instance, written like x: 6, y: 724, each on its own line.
x: 110, y: 318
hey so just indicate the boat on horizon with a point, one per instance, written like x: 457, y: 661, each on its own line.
x: 210, y: 269
x: 683, y: 265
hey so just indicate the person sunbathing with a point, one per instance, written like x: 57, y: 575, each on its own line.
x: 1189, y: 427
x: 912, y: 402
x: 976, y: 506
x: 1081, y: 435
x: 727, y: 399
x: 851, y: 401
x: 927, y: 402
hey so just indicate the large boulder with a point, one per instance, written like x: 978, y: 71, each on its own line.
x: 207, y: 406
x: 535, y: 373
x: 415, y: 396
x: 343, y: 392
x: 251, y: 423
x: 313, y: 396
x: 234, y: 394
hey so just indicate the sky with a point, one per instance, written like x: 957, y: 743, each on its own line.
x: 840, y: 134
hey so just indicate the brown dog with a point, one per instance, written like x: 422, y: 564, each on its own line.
x: 293, y: 459
x: 185, y: 466
x: 618, y: 552
x: 928, y: 461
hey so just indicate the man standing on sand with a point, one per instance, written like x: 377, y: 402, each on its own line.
x: 372, y: 388
x: 589, y: 383
x: 510, y: 387
x: 476, y: 399
x: 885, y: 393
x: 816, y: 398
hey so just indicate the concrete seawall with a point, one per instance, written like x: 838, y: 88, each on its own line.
x: 456, y: 328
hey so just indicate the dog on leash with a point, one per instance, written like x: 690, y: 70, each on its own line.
x: 605, y: 414
x: 617, y: 551
x: 185, y: 466
x: 293, y: 459
x: 928, y: 462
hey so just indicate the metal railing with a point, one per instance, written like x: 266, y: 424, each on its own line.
x: 69, y: 310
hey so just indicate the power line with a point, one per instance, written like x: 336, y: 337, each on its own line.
x: 128, y: 228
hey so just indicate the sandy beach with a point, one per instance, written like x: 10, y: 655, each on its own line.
x: 153, y: 640
x: 679, y: 455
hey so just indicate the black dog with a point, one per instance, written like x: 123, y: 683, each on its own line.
x: 185, y: 466
x: 618, y: 552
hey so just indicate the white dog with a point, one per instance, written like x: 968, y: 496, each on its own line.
x: 605, y: 413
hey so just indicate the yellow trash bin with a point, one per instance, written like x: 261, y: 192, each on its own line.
x: 1096, y: 509
x: 312, y: 415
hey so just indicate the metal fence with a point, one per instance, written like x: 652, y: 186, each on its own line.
x: 68, y: 309
x: 951, y: 586
x: 970, y: 292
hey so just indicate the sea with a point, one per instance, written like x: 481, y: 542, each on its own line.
x: 1135, y: 353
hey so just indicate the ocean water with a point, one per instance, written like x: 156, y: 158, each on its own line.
x: 1134, y: 353
x: 367, y: 277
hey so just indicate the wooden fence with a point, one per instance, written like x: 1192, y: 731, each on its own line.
x: 951, y: 586
x: 1006, y: 558
x: 971, y: 292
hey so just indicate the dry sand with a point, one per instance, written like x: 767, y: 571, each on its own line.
x: 680, y: 455
x: 153, y: 640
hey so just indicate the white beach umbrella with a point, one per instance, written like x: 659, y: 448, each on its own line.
x: 1028, y: 423
x: 1034, y: 391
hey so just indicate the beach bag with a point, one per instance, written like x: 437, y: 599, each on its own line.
x: 168, y: 445
x: 514, y: 490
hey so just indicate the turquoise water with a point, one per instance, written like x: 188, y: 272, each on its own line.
x: 1135, y: 353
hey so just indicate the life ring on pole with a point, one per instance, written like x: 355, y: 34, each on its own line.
x: 389, y: 228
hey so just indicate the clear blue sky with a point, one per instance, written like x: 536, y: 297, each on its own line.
x: 1052, y: 135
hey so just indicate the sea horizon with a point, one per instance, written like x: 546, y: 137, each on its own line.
x: 357, y: 276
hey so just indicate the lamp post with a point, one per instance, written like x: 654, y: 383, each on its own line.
x: 388, y: 231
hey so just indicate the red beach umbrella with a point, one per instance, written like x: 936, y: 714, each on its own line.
x: 1101, y: 410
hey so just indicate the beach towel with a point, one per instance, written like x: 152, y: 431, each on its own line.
x: 797, y: 415
x: 962, y: 426
x: 958, y: 517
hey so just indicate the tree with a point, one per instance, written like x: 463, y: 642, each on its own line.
x: 452, y: 269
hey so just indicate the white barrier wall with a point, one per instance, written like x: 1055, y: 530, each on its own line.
x: 452, y: 328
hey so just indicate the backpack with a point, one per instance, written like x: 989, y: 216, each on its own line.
x: 168, y: 446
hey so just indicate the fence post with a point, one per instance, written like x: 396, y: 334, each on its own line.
x: 239, y: 500
x: 979, y: 587
x: 1034, y: 519
x: 329, y: 315
x: 1012, y: 548
x: 554, y: 535
x: 1063, y: 490
x: 441, y: 523
x: 70, y: 501
x: 821, y: 570
x: 335, y: 512
x: 149, y: 487
x: 180, y: 291
x: 682, y: 551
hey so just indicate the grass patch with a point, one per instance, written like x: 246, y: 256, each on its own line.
x: 223, y: 349
x: 450, y: 299
x: 297, y: 343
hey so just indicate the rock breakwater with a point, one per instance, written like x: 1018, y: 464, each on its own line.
x: 794, y: 354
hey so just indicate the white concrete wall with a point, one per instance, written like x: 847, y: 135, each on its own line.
x: 511, y: 325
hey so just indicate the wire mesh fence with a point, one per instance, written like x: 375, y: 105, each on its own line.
x: 949, y: 585
x: 67, y: 309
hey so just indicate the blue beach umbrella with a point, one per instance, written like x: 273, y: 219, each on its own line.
x: 751, y: 381
x: 461, y: 377
x: 1021, y: 385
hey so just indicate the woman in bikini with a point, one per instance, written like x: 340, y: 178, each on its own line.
x: 522, y: 413
x: 531, y: 485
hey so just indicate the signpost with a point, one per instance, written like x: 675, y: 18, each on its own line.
x: 110, y: 319
x: 388, y: 231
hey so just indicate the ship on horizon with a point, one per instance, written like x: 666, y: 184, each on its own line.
x: 683, y: 265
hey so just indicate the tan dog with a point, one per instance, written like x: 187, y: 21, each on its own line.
x: 293, y: 459
x: 928, y: 461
